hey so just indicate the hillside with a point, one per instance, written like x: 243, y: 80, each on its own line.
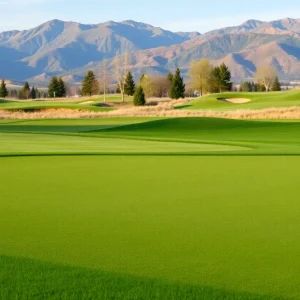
x: 70, y: 49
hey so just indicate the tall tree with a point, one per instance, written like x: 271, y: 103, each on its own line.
x: 129, y: 88
x: 61, y: 89
x: 105, y: 76
x: 276, y: 87
x: 266, y: 76
x: 53, y: 87
x: 139, y: 97
x: 200, y: 74
x: 178, y: 87
x: 225, y: 83
x: 90, y: 85
x: 25, y: 92
x: 3, y: 89
x: 170, y: 76
x: 33, y: 93
x: 38, y: 93
x: 147, y: 85
x: 121, y: 70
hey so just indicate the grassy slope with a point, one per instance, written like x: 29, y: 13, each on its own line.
x: 30, y: 279
x: 213, y: 221
x: 258, y: 101
x: 87, y: 104
x: 148, y: 135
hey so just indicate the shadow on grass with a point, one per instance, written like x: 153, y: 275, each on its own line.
x: 30, y: 279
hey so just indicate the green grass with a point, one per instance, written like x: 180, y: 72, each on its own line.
x: 225, y: 222
x: 29, y: 105
x: 30, y: 279
x: 96, y: 103
x: 149, y: 208
x: 258, y: 101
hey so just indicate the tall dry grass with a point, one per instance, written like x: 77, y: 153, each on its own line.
x: 162, y: 109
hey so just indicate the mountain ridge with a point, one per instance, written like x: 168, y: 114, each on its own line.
x: 70, y: 48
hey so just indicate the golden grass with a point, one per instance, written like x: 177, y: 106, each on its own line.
x: 162, y: 109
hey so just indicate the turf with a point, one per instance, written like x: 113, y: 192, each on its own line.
x: 213, y: 221
x: 258, y: 101
x: 93, y: 104
x: 143, y: 208
x: 31, y: 279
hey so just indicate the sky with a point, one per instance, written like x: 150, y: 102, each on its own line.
x: 175, y: 15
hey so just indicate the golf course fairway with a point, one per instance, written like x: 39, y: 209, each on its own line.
x: 149, y: 209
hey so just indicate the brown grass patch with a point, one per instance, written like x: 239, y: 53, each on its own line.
x: 162, y: 109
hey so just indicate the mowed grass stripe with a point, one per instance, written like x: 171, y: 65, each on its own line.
x: 17, y: 143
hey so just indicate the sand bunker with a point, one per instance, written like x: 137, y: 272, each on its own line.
x: 237, y: 100
x: 86, y: 102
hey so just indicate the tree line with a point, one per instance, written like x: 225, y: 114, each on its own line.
x: 203, y: 78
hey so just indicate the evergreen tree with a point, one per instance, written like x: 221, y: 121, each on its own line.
x: 90, y: 85
x: 118, y: 90
x: 170, y: 76
x: 25, y: 92
x: 276, y: 85
x: 222, y: 78
x: 53, y: 87
x: 178, y: 87
x: 260, y: 87
x: 3, y: 89
x: 61, y: 89
x: 33, y: 93
x: 129, y: 87
x: 38, y: 93
x: 139, y: 97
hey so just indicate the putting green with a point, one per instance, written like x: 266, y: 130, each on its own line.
x: 257, y: 101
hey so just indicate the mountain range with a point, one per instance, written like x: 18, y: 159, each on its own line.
x: 70, y: 49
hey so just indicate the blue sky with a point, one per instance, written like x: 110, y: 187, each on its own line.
x: 185, y: 15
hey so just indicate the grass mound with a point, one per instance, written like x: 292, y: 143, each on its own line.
x: 257, y: 101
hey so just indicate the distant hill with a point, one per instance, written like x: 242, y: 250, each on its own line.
x: 70, y: 49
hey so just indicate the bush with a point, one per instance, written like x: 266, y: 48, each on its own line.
x: 139, y: 97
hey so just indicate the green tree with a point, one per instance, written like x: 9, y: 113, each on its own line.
x: 139, y: 97
x: 38, y: 93
x: 90, y: 85
x: 25, y: 92
x: 178, y: 87
x: 221, y: 78
x: 3, y: 89
x: 129, y: 84
x: 53, y: 87
x: 170, y: 76
x: 276, y: 87
x: 33, y: 93
x: 118, y: 90
x: 61, y: 89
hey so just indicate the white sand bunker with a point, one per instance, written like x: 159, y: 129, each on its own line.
x: 236, y: 100
x: 86, y: 102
